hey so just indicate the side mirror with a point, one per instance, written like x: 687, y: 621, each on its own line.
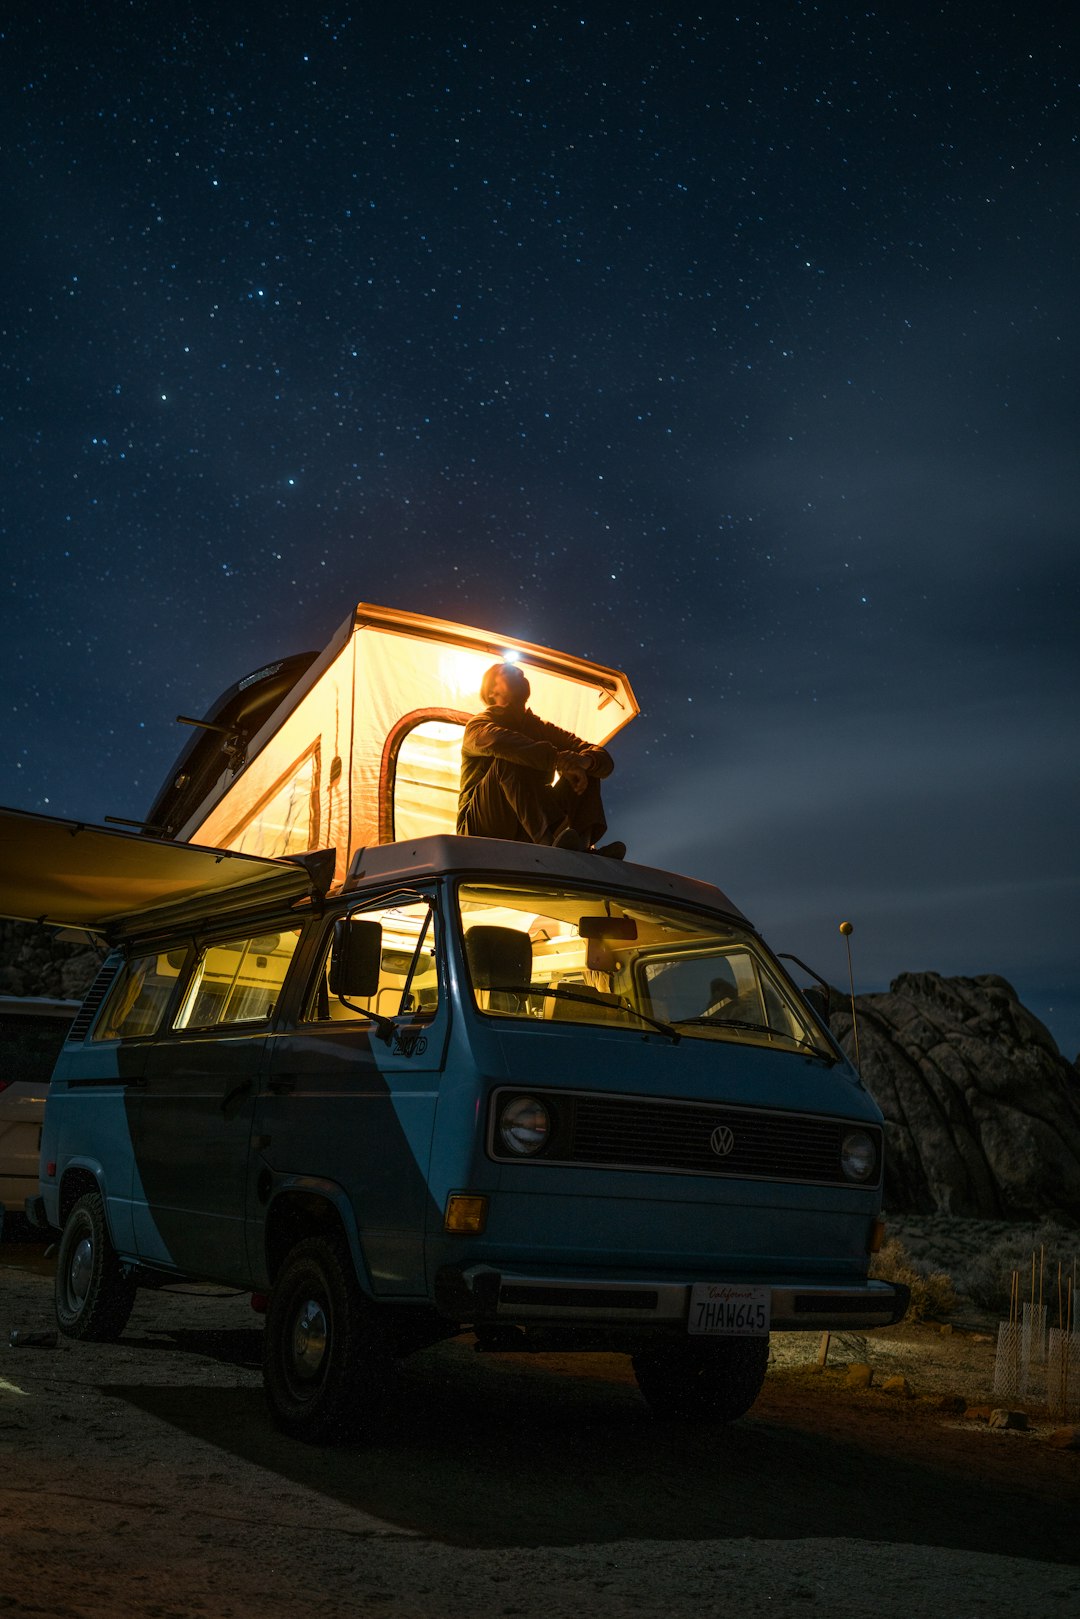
x: 818, y: 995
x: 819, y: 1000
x: 356, y: 958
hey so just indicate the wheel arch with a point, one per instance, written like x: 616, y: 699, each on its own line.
x: 75, y: 1182
x: 310, y: 1208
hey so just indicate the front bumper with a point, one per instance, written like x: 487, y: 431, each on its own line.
x: 480, y: 1294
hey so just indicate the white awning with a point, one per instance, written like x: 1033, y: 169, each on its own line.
x: 69, y: 874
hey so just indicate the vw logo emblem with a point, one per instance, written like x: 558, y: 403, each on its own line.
x: 722, y: 1140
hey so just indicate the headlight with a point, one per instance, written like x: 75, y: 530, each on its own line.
x: 858, y: 1156
x: 524, y: 1125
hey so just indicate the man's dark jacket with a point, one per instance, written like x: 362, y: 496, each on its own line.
x: 524, y: 739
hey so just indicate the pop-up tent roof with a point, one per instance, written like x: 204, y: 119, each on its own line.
x: 365, y: 747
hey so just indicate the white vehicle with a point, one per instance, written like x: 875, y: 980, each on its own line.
x: 32, y: 1030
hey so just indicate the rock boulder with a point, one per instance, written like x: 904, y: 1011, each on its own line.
x: 982, y: 1111
x: 33, y: 961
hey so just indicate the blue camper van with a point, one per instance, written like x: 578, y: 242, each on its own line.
x: 552, y: 1099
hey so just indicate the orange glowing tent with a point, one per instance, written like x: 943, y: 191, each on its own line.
x: 363, y: 746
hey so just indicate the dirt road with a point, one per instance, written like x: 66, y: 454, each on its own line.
x: 144, y: 1478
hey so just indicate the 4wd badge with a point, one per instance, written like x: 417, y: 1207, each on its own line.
x: 410, y: 1045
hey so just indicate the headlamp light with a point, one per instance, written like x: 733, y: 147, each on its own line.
x: 524, y: 1125
x: 858, y: 1155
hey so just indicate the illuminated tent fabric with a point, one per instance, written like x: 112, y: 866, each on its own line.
x: 366, y: 747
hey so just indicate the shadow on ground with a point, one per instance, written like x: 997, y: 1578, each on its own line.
x: 232, y: 1346
x: 519, y: 1454
x: 23, y: 1250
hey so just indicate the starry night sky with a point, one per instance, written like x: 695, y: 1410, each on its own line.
x: 733, y: 346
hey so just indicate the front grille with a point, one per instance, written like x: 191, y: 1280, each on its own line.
x: 644, y: 1133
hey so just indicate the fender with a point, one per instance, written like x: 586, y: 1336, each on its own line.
x: 272, y: 1187
x: 52, y: 1195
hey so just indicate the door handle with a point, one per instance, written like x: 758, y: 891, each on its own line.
x: 282, y: 1084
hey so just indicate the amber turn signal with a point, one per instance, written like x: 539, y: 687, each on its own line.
x: 877, y: 1237
x: 466, y: 1214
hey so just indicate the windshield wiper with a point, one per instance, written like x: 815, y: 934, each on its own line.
x: 621, y: 1004
x: 756, y: 1028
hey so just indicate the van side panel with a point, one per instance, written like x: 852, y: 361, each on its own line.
x: 190, y: 1131
x: 363, y: 1111
x: 86, y: 1127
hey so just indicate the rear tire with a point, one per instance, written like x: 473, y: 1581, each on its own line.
x: 325, y: 1367
x: 93, y: 1293
x: 703, y: 1380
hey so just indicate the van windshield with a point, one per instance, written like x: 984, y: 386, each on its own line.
x: 579, y: 956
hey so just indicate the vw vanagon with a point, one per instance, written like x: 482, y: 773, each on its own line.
x: 557, y: 1100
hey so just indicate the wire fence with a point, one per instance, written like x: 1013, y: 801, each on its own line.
x: 1033, y: 1360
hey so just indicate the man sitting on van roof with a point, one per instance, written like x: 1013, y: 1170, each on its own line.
x: 508, y: 759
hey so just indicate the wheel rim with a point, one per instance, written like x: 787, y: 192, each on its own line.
x: 309, y: 1341
x: 80, y: 1271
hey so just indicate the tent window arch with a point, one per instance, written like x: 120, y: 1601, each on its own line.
x: 420, y: 774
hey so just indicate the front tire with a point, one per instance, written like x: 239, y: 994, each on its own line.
x: 93, y: 1293
x: 324, y: 1366
x: 703, y: 1380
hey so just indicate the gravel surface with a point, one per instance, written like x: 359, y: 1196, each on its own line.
x: 144, y: 1478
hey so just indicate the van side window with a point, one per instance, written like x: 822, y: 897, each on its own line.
x: 238, y: 980
x: 408, y: 974
x: 139, y: 996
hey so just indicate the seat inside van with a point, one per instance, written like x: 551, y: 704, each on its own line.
x: 499, y: 957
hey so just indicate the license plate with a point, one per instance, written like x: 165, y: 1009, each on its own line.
x: 725, y: 1309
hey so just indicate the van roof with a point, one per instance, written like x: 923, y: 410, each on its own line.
x: 445, y: 854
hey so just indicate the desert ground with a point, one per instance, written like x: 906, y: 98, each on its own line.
x: 144, y: 1478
